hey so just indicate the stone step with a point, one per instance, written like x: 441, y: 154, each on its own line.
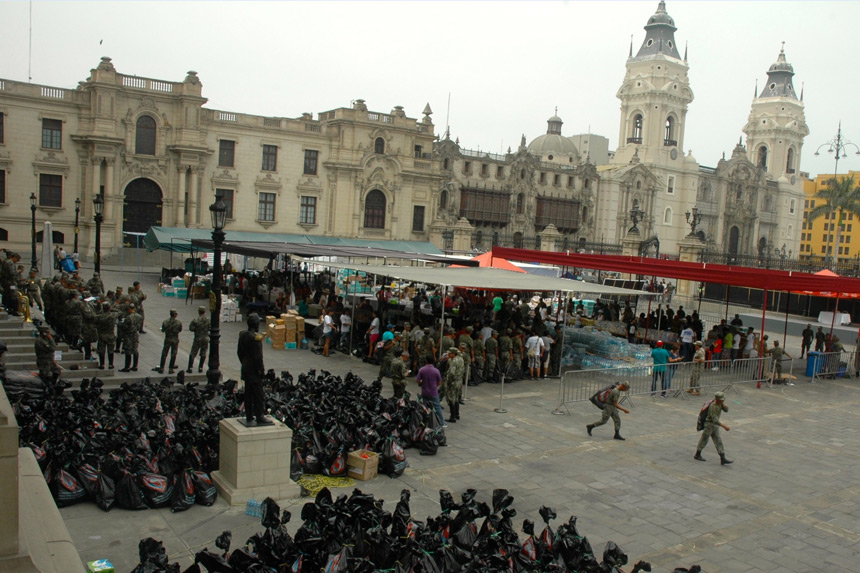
x: 29, y: 346
x: 15, y: 328
x: 31, y: 359
x: 115, y: 380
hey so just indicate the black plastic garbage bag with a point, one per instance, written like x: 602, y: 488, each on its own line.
x: 66, y: 489
x: 183, y: 491
x: 393, y: 457
x: 105, y: 492
x: 157, y: 489
x: 613, y: 556
x: 271, y: 514
x: 204, y: 489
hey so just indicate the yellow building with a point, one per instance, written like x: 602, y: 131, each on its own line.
x: 818, y: 237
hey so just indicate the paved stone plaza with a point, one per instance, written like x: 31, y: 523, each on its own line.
x: 790, y: 502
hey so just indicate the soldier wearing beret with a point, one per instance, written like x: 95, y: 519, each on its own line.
x: 200, y: 327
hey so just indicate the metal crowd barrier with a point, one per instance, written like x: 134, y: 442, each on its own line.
x: 581, y: 385
x: 831, y: 365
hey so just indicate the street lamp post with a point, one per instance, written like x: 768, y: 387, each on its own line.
x: 693, y: 219
x: 98, y: 208
x: 34, y: 263
x: 837, y: 146
x: 218, y: 211
x: 77, y: 215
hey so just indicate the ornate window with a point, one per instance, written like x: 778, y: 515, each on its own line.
x: 52, y: 134
x: 144, y: 136
x: 270, y: 158
x: 418, y: 218
x: 789, y: 162
x: 308, y: 211
x: 50, y: 190
x: 443, y: 199
x: 226, y: 153
x: 520, y: 201
x: 311, y: 158
x: 374, y: 210
x: 668, y: 137
x: 379, y: 145
x: 636, y: 134
x: 518, y: 240
x: 266, y: 207
x: 667, y: 216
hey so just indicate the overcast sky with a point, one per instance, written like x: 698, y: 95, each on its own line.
x: 506, y: 65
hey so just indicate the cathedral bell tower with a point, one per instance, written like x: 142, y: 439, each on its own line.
x: 777, y: 125
x: 654, y: 97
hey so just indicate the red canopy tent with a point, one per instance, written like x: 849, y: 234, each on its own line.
x: 488, y: 260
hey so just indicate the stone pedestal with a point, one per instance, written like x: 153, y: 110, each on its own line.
x: 690, y: 251
x: 549, y: 238
x: 630, y: 248
x: 463, y: 235
x: 254, y: 463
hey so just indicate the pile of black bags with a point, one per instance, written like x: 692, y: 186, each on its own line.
x: 146, y: 445
x: 331, y: 416
x: 356, y: 534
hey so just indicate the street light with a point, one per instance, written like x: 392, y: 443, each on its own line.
x: 693, y: 219
x: 636, y: 215
x: 218, y: 211
x: 77, y: 214
x: 837, y: 145
x: 98, y: 207
x: 34, y: 263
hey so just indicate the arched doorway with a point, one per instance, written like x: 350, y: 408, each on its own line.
x: 142, y: 207
x: 734, y: 239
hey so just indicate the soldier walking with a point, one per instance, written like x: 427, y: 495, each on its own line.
x: 453, y: 386
x: 715, y: 408
x: 171, y: 329
x: 610, y: 410
x: 106, y: 327
x: 200, y: 327
x: 399, y: 371
x: 46, y: 348
x: 130, y: 338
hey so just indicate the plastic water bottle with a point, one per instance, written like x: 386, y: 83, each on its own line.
x: 254, y: 508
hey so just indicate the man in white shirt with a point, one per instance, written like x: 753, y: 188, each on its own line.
x: 486, y: 333
x: 688, y: 337
x: 534, y: 347
x: 345, y: 326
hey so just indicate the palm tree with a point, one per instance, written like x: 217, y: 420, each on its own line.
x: 841, y: 196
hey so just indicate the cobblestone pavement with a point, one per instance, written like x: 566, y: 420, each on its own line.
x: 790, y: 502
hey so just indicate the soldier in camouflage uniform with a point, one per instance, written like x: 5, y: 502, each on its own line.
x: 426, y: 347
x: 453, y: 382
x: 698, y: 366
x: 8, y: 279
x: 74, y: 319
x: 200, y: 327
x: 446, y: 342
x: 399, y: 370
x: 138, y: 299
x: 106, y: 327
x: 712, y: 429
x: 45, y: 348
x: 506, y: 354
x: 480, y: 359
x: 34, y: 291
x: 121, y: 308
x: 130, y: 337
x: 517, y: 345
x: 89, y: 329
x: 491, y: 351
x: 171, y: 329
x: 468, y: 350
x: 96, y: 286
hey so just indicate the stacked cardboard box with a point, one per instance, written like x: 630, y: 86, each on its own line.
x: 278, y: 337
x: 290, y: 326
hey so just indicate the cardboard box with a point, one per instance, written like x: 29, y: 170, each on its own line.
x: 300, y: 324
x: 290, y: 336
x: 289, y: 319
x: 360, y: 467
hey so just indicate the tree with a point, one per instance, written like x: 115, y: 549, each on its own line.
x: 841, y: 197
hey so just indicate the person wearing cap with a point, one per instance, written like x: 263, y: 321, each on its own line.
x: 390, y: 349
x: 661, y: 357
x: 806, y: 340
x: 106, y: 329
x: 453, y: 386
x: 610, y: 410
x: 399, y: 370
x: 426, y: 346
x: 464, y: 342
x: 137, y: 297
x: 171, y: 329
x: 130, y: 338
x: 712, y: 428
x: 200, y: 327
x: 491, y: 352
x: 446, y: 342
x: 34, y: 291
x: 45, y: 348
x: 698, y: 366
x: 776, y: 354
x: 95, y: 285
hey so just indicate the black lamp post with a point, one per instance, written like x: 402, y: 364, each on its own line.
x: 77, y: 215
x: 218, y: 211
x: 98, y: 208
x: 34, y: 263
x: 693, y: 219
x: 838, y: 144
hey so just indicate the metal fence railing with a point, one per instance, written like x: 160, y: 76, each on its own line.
x: 676, y: 381
x: 830, y: 365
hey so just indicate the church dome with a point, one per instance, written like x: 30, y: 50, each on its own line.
x: 553, y: 146
x: 661, y: 17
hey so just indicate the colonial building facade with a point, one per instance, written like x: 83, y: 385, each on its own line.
x: 158, y: 157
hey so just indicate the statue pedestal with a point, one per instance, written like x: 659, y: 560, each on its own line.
x: 690, y: 251
x: 254, y: 462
